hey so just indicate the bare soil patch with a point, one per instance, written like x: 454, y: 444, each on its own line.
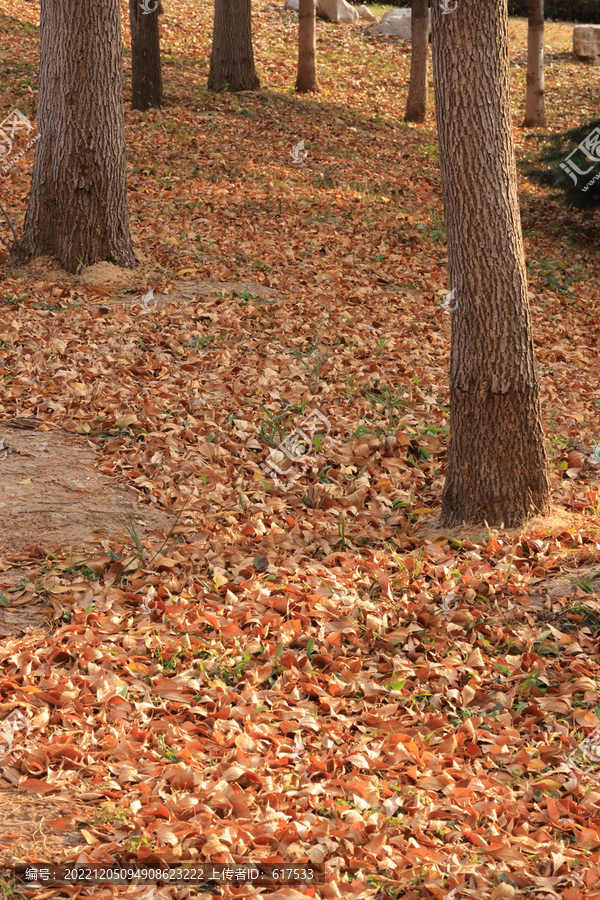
x: 25, y: 831
x: 51, y: 494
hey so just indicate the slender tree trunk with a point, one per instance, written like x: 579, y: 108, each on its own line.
x: 146, y: 72
x: 232, y: 58
x: 497, y: 462
x: 307, y: 48
x: 535, y: 109
x: 78, y: 205
x: 416, y: 105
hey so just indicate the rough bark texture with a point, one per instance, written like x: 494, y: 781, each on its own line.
x: 232, y: 57
x: 78, y: 205
x: 307, y: 48
x: 146, y: 71
x: 497, y: 462
x: 535, y: 108
x: 416, y: 105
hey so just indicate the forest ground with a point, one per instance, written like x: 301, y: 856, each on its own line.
x: 291, y: 680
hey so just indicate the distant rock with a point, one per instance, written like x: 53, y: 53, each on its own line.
x: 365, y: 13
x: 294, y: 5
x: 337, y: 11
x: 396, y: 22
x: 586, y: 42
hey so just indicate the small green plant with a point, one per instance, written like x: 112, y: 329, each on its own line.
x: 277, y: 668
x: 168, y: 754
x: 109, y: 814
x: 586, y: 583
x: 327, y: 178
x: 382, y: 345
x: 133, y: 844
x: 582, y: 614
x: 199, y: 342
x: 342, y: 531
x: 139, y: 557
x: 231, y: 674
x: 388, y: 402
x: 272, y: 429
x: 312, y: 500
x: 10, y: 891
x: 313, y: 362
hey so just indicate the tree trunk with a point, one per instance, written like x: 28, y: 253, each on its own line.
x: 78, y: 204
x: 498, y: 467
x: 307, y: 48
x: 416, y: 105
x: 232, y: 58
x: 146, y: 73
x: 535, y: 109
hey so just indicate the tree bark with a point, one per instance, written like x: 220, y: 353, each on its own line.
x: 78, y: 204
x: 535, y: 108
x: 146, y: 71
x: 232, y: 58
x: 307, y: 79
x: 416, y: 105
x: 498, y: 467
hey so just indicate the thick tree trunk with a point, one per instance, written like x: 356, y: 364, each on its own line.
x: 535, y: 108
x: 78, y: 205
x: 307, y: 48
x: 416, y: 105
x: 232, y: 58
x: 497, y: 463
x: 146, y: 72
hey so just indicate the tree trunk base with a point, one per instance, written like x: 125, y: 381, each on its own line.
x: 497, y: 462
x: 417, y: 116
x: 232, y: 56
x: 78, y: 208
x: 313, y: 88
x: 539, y: 122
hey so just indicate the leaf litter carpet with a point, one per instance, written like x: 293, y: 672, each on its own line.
x: 318, y: 673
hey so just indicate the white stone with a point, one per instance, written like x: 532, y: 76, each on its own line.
x: 337, y: 11
x: 365, y: 13
x: 294, y: 5
x: 586, y: 42
x: 397, y: 22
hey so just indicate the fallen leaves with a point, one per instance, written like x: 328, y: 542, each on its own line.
x: 293, y: 688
